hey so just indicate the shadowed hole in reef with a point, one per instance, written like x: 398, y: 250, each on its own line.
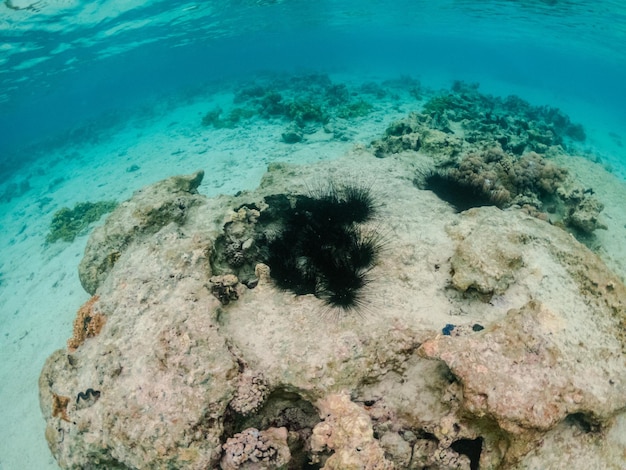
x: 470, y: 447
x: 459, y: 194
x: 582, y: 421
x: 282, y: 408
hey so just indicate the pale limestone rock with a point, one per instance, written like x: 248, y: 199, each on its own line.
x: 585, y: 215
x: 171, y: 362
x: 149, y: 210
x: 486, y: 268
x: 164, y: 373
x: 533, y: 368
x: 346, y: 429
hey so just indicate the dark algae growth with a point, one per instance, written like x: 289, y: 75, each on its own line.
x: 305, y: 103
x: 68, y: 223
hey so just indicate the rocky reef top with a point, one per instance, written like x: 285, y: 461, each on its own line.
x: 485, y: 150
x: 483, y: 339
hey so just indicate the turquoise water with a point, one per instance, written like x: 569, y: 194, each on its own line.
x: 89, y: 89
x: 63, y: 62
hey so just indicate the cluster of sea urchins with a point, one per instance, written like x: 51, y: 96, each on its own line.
x: 323, y: 249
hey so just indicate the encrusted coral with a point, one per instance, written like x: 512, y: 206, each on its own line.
x: 87, y: 324
x: 401, y: 135
x: 254, y: 449
x: 475, y: 120
x: 262, y: 272
x: 473, y: 167
x: 235, y: 250
x: 503, y: 178
x: 347, y: 430
x: 492, y: 151
x: 517, y: 125
x: 252, y: 390
x: 224, y: 288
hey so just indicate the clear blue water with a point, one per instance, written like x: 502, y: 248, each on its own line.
x: 63, y: 62
x: 66, y: 63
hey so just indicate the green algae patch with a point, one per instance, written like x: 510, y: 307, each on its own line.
x: 356, y: 109
x: 230, y: 121
x: 68, y: 223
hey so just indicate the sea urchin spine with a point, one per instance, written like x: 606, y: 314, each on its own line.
x: 322, y: 249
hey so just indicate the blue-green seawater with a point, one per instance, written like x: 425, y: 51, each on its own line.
x: 73, y: 71
x: 62, y: 64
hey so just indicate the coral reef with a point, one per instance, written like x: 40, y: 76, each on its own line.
x: 532, y: 368
x: 518, y: 126
x: 304, y: 102
x: 68, y: 223
x: 487, y: 150
x: 496, y: 178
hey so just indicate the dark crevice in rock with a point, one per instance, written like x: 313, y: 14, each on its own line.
x: 470, y: 447
x: 584, y: 422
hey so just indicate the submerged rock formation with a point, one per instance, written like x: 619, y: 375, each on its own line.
x: 184, y: 374
x: 486, y: 150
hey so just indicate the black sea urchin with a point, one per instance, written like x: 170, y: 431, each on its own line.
x: 322, y: 249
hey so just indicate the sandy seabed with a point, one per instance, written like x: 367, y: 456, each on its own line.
x: 39, y: 287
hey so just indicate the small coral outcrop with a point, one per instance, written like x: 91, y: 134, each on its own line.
x: 224, y: 288
x: 252, y: 390
x: 305, y: 103
x: 346, y: 433
x: 252, y: 449
x: 488, y: 151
